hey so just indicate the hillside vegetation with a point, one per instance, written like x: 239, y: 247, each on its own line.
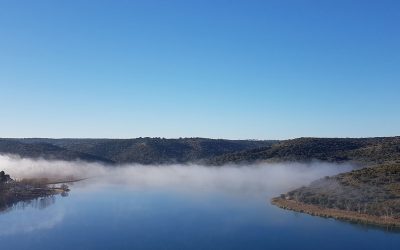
x: 139, y: 150
x: 46, y: 151
x: 368, y: 195
x: 366, y: 151
x: 374, y: 191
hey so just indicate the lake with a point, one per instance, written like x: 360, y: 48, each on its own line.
x: 181, y: 209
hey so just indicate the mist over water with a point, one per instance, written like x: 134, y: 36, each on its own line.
x: 176, y: 207
x: 258, y: 178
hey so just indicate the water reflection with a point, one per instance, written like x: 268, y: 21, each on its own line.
x: 28, y: 216
x: 38, y: 203
x: 181, y: 208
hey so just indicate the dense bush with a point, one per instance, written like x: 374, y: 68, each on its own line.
x: 365, y: 151
x: 374, y: 191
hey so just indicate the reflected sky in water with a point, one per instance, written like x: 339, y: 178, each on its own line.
x: 101, y: 215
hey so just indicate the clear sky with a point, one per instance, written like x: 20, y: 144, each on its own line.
x: 221, y: 69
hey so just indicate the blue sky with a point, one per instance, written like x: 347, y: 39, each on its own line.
x: 221, y: 69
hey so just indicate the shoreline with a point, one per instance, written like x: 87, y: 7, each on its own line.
x: 343, y: 215
x: 13, y: 192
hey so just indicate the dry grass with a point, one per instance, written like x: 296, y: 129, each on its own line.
x: 336, y: 213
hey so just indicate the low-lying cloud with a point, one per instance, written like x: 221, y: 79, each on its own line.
x: 260, y: 178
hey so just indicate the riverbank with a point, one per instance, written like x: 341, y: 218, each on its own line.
x: 360, y: 218
x: 13, y: 192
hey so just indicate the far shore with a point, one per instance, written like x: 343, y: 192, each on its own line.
x: 381, y: 221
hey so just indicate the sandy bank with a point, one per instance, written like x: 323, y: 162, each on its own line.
x: 352, y: 216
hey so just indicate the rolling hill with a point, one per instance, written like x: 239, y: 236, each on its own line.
x: 365, y: 151
x: 139, y: 150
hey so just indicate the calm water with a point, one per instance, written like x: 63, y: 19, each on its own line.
x: 215, y: 213
x: 116, y: 217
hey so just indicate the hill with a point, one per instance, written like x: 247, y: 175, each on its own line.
x: 366, y: 151
x: 369, y: 195
x: 45, y: 150
x: 139, y: 150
